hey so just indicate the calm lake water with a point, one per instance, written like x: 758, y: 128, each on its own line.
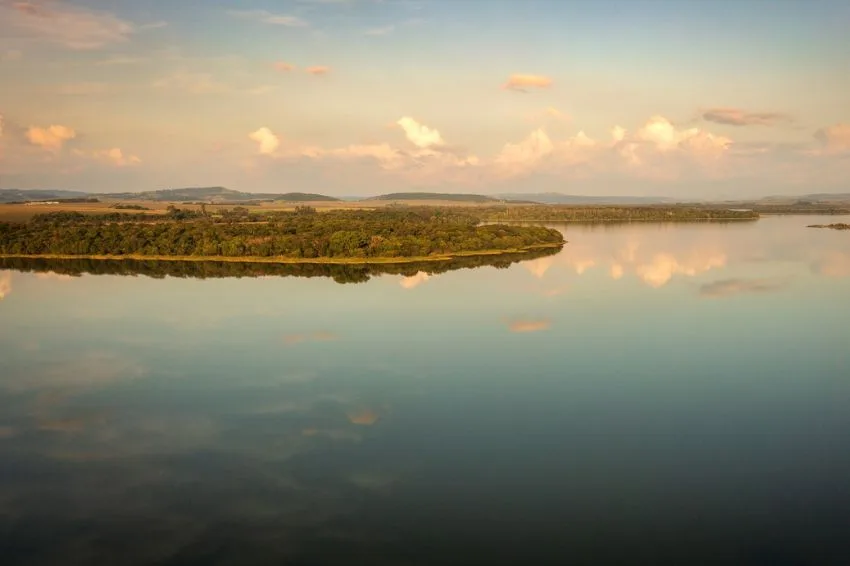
x: 653, y: 394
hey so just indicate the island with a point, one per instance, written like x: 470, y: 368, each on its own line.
x: 303, y: 235
x: 836, y: 226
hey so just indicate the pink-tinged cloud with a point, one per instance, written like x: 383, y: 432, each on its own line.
x: 524, y: 82
x: 663, y: 266
x: 72, y: 26
x: 5, y: 284
x: 834, y: 139
x: 418, y: 134
x: 283, y: 66
x: 524, y: 326
x: 363, y: 417
x: 738, y: 117
x: 51, y: 138
x: 318, y: 70
x: 116, y: 157
x: 266, y: 140
x: 414, y: 280
x: 517, y: 158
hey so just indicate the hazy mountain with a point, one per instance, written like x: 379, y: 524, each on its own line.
x: 214, y: 194
x: 560, y: 198
x: 21, y: 195
x: 436, y: 196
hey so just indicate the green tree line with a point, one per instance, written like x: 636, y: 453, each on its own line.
x: 569, y: 213
x: 239, y: 233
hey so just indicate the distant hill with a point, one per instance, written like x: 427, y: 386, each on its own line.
x: 560, y: 198
x: 814, y: 198
x: 215, y: 195
x: 22, y: 195
x: 436, y: 196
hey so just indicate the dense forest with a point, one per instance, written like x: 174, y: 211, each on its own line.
x: 561, y: 213
x: 341, y: 273
x: 300, y: 234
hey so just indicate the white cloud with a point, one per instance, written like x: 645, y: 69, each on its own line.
x: 68, y: 25
x: 5, y: 284
x: 516, y: 158
x: 268, y: 142
x: 270, y: 18
x: 414, y: 280
x: 663, y: 266
x: 420, y: 135
x: 51, y: 138
x: 116, y: 157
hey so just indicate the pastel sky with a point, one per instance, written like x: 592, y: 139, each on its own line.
x: 682, y: 98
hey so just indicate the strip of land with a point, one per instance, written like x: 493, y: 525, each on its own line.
x: 836, y: 226
x: 299, y: 236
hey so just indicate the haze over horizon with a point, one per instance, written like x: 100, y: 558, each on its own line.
x: 684, y: 99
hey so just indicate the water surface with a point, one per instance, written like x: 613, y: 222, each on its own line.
x: 651, y: 394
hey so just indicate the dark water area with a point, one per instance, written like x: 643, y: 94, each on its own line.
x: 651, y: 394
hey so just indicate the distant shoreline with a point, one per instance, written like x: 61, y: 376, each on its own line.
x: 296, y: 260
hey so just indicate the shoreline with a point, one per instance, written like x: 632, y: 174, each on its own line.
x: 626, y: 220
x: 294, y: 260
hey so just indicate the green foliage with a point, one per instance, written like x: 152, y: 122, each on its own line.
x: 560, y: 213
x: 415, y: 232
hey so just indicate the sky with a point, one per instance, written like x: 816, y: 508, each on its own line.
x: 679, y: 98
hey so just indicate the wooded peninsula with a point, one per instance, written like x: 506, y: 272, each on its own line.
x: 303, y: 235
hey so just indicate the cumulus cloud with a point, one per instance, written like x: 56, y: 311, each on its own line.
x: 834, y: 139
x: 72, y: 26
x: 318, y: 70
x: 663, y: 266
x: 267, y: 141
x: 529, y: 325
x: 51, y: 138
x: 420, y: 135
x: 5, y: 284
x: 539, y: 267
x: 738, y: 117
x: 414, y: 280
x: 515, y: 158
x: 660, y: 136
x: 730, y: 287
x: 524, y: 82
x: 283, y: 66
x: 266, y: 17
x: 116, y: 157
